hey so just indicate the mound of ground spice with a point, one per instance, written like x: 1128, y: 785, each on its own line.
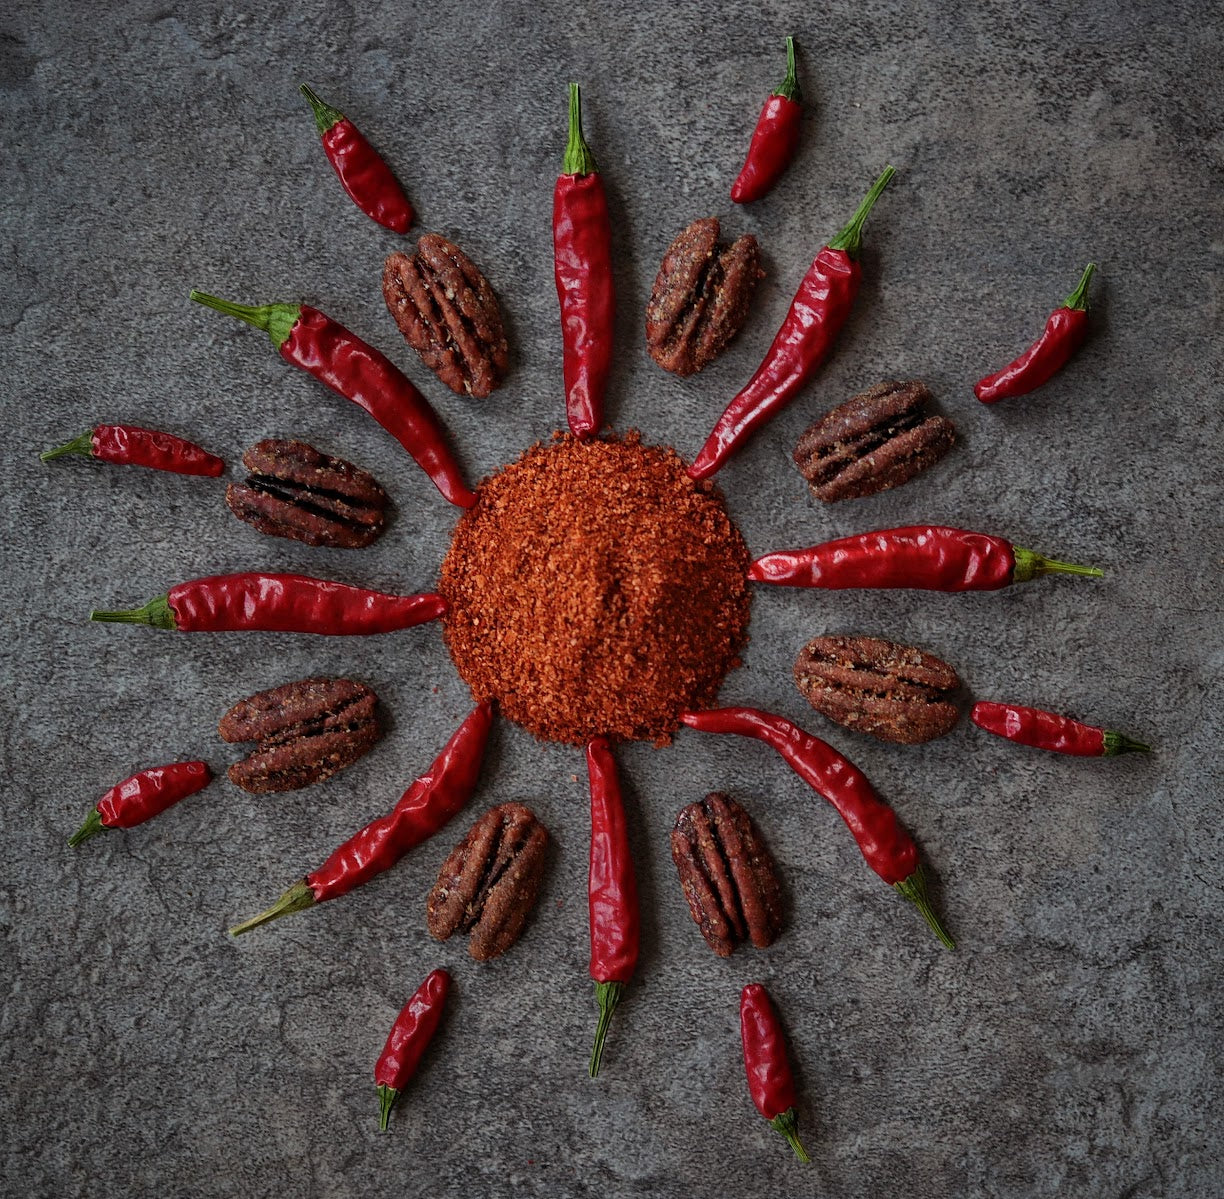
x: 595, y: 588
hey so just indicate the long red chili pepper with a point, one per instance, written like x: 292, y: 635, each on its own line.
x: 816, y: 315
x: 1046, y: 730
x: 582, y: 249
x: 142, y: 797
x: 1064, y: 333
x: 128, y: 445
x: 770, y: 1080
x: 612, y: 891
x: 327, y: 350
x: 925, y: 557
x: 410, y: 1035
x: 278, y: 603
x: 423, y: 809
x: 775, y: 139
x: 888, y: 849
x: 364, y: 175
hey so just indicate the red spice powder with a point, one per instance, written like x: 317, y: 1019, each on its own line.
x: 595, y: 588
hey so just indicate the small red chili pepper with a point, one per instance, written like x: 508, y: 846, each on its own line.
x: 925, y: 557
x: 273, y: 603
x: 612, y: 892
x: 341, y: 360
x: 888, y: 849
x: 770, y: 1080
x: 582, y: 250
x: 1064, y: 333
x: 410, y: 1035
x: 423, y: 809
x: 818, y: 311
x: 128, y: 445
x: 775, y: 139
x: 365, y: 176
x: 1046, y: 730
x: 143, y: 796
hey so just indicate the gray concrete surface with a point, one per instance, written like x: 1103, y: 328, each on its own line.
x: 1070, y: 1046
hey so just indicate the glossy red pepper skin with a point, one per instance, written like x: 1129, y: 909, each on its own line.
x: 279, y: 603
x: 143, y: 796
x: 1047, y: 730
x: 130, y: 445
x: 582, y: 249
x: 767, y: 1065
x: 775, y: 139
x: 815, y: 318
x: 923, y: 557
x: 410, y: 1035
x: 363, y: 174
x: 615, y: 920
x: 886, y: 847
x: 1064, y: 333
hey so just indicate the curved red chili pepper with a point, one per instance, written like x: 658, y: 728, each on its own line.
x: 887, y: 848
x: 775, y: 139
x: 278, y: 603
x: 1046, y: 730
x: 410, y: 1035
x: 818, y: 311
x: 770, y: 1081
x: 363, y: 174
x: 431, y: 801
x: 142, y: 797
x: 325, y: 349
x: 129, y: 445
x: 612, y: 892
x: 582, y: 249
x: 1063, y: 335
x: 925, y: 557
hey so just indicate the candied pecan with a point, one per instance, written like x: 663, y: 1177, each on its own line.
x: 893, y: 692
x: 875, y: 441
x: 307, y: 731
x: 448, y: 313
x: 701, y: 296
x: 727, y: 874
x: 488, y: 884
x: 294, y: 491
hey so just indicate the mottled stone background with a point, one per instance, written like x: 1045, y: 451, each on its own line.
x: 1070, y: 1046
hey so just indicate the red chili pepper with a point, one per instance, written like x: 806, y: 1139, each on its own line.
x: 888, y: 849
x: 423, y: 809
x: 410, y: 1035
x: 612, y: 891
x: 775, y: 139
x: 817, y: 313
x: 582, y: 250
x: 365, y: 176
x: 1046, y: 730
x: 341, y: 360
x: 128, y: 445
x: 770, y: 1080
x: 925, y: 557
x: 1063, y: 335
x: 272, y: 603
x: 143, y: 796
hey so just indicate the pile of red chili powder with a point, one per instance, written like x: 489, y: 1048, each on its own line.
x: 596, y: 588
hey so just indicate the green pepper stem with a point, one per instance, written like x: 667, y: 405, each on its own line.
x: 607, y: 995
x: 914, y: 889
x: 1030, y: 565
x: 324, y: 114
x: 850, y: 239
x: 91, y: 828
x: 1119, y: 743
x: 788, y: 89
x: 276, y: 320
x: 155, y: 613
x: 1079, y: 297
x: 298, y: 898
x: 578, y: 158
x: 788, y: 1125
x: 386, y: 1101
x: 78, y: 445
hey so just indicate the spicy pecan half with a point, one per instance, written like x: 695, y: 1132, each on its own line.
x: 727, y: 874
x: 875, y: 441
x: 894, y: 692
x: 306, y: 731
x: 488, y: 884
x: 701, y: 296
x: 296, y: 492
x: 448, y: 313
